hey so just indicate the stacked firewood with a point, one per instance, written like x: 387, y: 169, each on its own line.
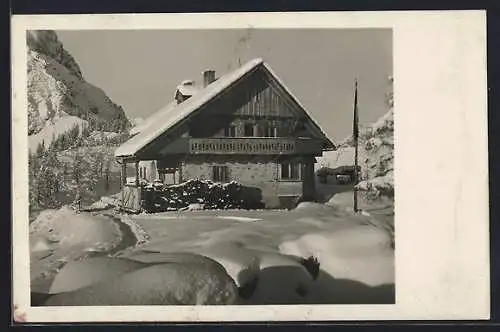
x: 200, y: 194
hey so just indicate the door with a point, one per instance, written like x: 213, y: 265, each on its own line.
x: 309, y: 188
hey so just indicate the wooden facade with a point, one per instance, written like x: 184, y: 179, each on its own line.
x: 253, y: 132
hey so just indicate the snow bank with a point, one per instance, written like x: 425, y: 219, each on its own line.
x: 61, y: 236
x: 79, y: 274
x: 69, y: 228
x: 241, y: 264
x: 360, y: 253
x: 178, y: 283
x: 281, y: 280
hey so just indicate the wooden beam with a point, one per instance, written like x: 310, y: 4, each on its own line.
x: 123, y: 180
x: 180, y: 171
x: 137, y: 173
x: 123, y: 177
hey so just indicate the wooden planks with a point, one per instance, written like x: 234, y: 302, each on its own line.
x: 131, y: 198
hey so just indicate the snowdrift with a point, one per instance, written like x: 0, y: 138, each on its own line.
x: 357, y: 265
x: 266, y: 252
x: 69, y: 228
x: 61, y: 236
x: 181, y: 282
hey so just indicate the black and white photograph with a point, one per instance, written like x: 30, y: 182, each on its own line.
x: 211, y: 167
x: 247, y: 166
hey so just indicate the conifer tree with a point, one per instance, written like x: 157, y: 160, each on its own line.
x: 106, y: 176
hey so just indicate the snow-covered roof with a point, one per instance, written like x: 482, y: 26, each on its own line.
x: 173, y: 114
x: 339, y: 158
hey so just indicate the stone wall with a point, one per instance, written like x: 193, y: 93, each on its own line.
x: 252, y: 171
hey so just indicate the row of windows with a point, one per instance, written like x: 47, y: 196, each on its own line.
x: 252, y: 130
x: 291, y: 171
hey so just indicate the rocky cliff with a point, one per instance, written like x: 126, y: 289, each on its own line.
x: 58, y: 95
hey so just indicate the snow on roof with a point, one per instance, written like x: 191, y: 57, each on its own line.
x: 173, y: 114
x: 339, y: 158
x: 187, y: 82
x: 187, y: 89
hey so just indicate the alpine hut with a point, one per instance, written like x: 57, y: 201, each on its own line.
x: 245, y: 126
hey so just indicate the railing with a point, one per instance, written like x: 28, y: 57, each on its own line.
x: 242, y: 146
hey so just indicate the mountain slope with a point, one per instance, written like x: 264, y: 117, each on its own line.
x: 73, y: 129
x: 57, y: 90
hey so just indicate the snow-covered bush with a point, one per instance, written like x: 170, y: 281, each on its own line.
x: 377, y: 143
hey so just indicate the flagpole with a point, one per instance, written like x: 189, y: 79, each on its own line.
x: 355, y: 135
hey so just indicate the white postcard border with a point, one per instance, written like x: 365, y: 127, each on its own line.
x: 441, y: 165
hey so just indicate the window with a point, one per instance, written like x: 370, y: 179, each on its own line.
x: 248, y: 130
x: 220, y: 174
x: 290, y: 170
x: 230, y: 131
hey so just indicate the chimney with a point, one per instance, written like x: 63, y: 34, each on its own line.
x: 208, y: 77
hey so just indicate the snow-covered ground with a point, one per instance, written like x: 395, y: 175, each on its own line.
x: 261, y: 250
x: 61, y: 236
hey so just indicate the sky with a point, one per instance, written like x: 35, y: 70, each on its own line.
x: 140, y: 69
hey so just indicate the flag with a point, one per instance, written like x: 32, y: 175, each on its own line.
x: 355, y: 125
